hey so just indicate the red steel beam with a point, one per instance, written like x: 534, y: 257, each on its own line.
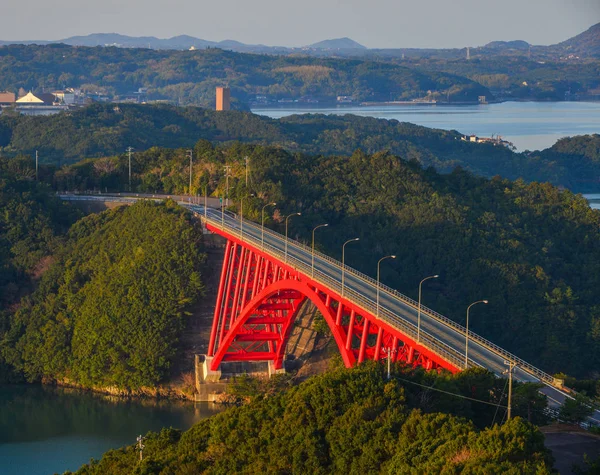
x: 286, y: 279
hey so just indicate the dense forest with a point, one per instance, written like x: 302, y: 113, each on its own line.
x: 348, y: 421
x: 31, y: 225
x: 109, y: 308
x: 500, y: 70
x: 106, y: 131
x: 190, y: 77
x: 531, y: 249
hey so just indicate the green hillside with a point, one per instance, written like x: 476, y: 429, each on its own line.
x: 346, y: 421
x: 190, y: 77
x: 109, y: 309
x: 531, y: 249
x: 104, y: 131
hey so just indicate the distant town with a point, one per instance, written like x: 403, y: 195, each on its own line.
x: 47, y: 103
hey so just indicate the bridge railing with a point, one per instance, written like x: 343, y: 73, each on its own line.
x: 451, y: 353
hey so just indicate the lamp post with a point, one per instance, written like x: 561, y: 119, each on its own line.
x: 242, y: 215
x: 378, y: 265
x: 343, y: 261
x: 262, y: 231
x: 286, y: 232
x: 312, y: 267
x: 467, y: 331
x: 419, y: 310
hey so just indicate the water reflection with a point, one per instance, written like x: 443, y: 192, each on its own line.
x: 46, y: 430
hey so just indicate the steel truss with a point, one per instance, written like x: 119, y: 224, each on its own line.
x: 259, y: 298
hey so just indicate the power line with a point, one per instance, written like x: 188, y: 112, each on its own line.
x: 451, y: 394
x: 129, y: 150
x: 498, y: 407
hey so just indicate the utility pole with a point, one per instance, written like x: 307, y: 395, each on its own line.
x: 247, y: 159
x: 36, y: 165
x: 190, y: 154
x: 141, y: 446
x: 129, y: 150
x: 511, y: 367
x: 227, y: 169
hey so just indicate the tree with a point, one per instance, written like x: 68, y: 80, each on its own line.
x: 576, y: 409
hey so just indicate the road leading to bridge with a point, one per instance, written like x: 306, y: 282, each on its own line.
x: 438, y: 333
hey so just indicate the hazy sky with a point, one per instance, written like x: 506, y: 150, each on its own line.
x: 374, y: 23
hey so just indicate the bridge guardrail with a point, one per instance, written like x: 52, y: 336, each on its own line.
x: 394, y: 293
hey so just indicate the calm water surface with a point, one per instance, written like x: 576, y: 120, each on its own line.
x: 593, y: 199
x: 528, y: 125
x: 50, y: 430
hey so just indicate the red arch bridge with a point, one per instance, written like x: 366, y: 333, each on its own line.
x: 266, y: 278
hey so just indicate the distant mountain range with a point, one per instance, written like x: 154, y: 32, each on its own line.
x: 586, y: 44
x: 338, y: 43
x: 182, y: 42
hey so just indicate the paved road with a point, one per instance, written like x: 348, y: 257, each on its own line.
x: 437, y: 333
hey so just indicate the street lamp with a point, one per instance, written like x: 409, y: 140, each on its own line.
x: 286, y: 232
x: 467, y: 331
x: 242, y: 215
x: 343, y: 260
x: 262, y: 232
x: 378, y: 265
x: 312, y: 274
x: 419, y: 311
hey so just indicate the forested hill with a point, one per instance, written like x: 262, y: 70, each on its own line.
x: 32, y: 223
x: 110, y: 304
x: 348, y: 421
x: 190, y: 77
x: 102, y: 130
x: 531, y: 249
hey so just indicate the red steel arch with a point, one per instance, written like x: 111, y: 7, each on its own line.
x: 259, y: 298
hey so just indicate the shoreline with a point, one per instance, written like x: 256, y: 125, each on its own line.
x: 402, y: 104
x: 160, y: 392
